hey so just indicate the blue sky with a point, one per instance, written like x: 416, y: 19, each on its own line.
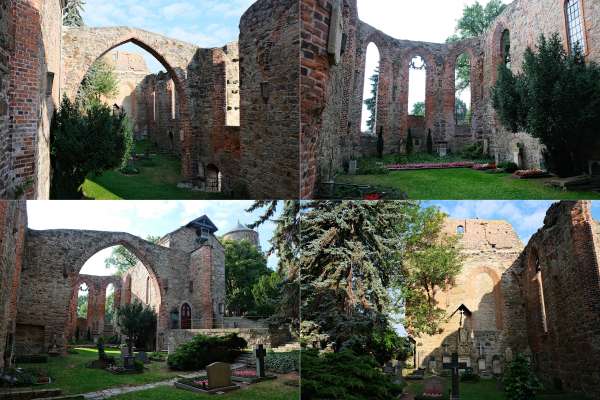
x: 205, y: 23
x: 141, y: 218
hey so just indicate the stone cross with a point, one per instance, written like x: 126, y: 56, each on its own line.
x: 455, y: 366
x: 260, y: 354
x: 336, y: 33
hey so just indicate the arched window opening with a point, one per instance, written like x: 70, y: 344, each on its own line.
x: 186, y: 316
x: 505, y: 47
x: 575, y: 27
x: 83, y: 301
x: 462, y: 79
x: 371, y: 90
x: 460, y: 230
x: 148, y: 290
x: 417, y: 86
x: 213, y: 179
x: 109, y: 307
x: 173, y: 111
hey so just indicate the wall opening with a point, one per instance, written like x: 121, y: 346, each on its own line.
x: 371, y: 90
x: 417, y: 87
x: 462, y: 98
x: 186, y: 316
x: 575, y: 27
x: 505, y: 48
x: 213, y: 179
x: 109, y: 310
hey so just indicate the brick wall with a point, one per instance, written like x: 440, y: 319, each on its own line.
x: 13, y: 224
x: 6, y: 44
x: 269, y: 92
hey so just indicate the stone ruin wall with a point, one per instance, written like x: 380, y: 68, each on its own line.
x: 34, y: 66
x: 526, y: 20
x: 7, y: 42
x: 270, y: 104
x: 13, y: 227
x: 490, y: 248
x: 567, y: 352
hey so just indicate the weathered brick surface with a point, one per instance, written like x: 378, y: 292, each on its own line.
x: 269, y: 93
x: 13, y: 224
x: 6, y: 44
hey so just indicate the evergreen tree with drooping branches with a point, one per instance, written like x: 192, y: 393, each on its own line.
x: 72, y: 13
x: 371, y: 102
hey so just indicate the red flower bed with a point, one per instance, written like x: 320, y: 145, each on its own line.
x: 244, y: 373
x: 373, y: 196
x: 404, y: 167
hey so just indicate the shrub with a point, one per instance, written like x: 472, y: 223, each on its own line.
x: 138, y: 365
x: 83, y: 142
x: 473, y: 152
x: 282, y: 363
x: 520, y: 383
x: 130, y: 170
x: 203, y: 350
x: 509, y: 167
x: 344, y: 375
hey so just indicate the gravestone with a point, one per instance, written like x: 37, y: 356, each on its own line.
x: 433, y: 387
x: 497, y: 366
x: 260, y: 353
x: 336, y: 33
x: 142, y: 356
x: 353, y: 167
x: 219, y: 375
x: 508, y: 355
x: 481, y: 364
x: 443, y: 151
x: 432, y: 365
x: 455, y: 366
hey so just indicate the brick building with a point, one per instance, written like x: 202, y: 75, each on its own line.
x: 230, y: 112
x: 334, y: 50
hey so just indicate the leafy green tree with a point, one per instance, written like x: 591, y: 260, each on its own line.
x: 267, y: 294
x: 520, y: 383
x: 461, y: 112
x: 100, y: 81
x: 409, y: 142
x: 371, y: 102
x: 429, y: 142
x: 555, y: 99
x: 82, y: 305
x: 137, y: 321
x: 476, y: 19
x: 361, y: 263
x: 286, y: 244
x: 109, y: 308
x: 122, y: 259
x: 244, y: 266
x: 84, y: 143
x: 418, y: 109
x: 72, y: 13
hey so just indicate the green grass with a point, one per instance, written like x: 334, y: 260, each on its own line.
x: 271, y: 390
x: 157, y: 180
x: 70, y: 374
x: 465, y: 184
x: 488, y: 390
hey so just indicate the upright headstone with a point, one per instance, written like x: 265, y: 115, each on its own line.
x: 336, y: 33
x: 508, y: 355
x: 219, y: 375
x: 433, y: 387
x: 496, y: 366
x: 481, y: 364
x: 260, y: 353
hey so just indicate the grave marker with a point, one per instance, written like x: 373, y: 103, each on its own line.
x: 455, y: 366
x: 260, y: 354
x: 219, y: 375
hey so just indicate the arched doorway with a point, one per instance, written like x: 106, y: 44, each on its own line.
x: 213, y: 179
x: 371, y: 90
x: 186, y: 316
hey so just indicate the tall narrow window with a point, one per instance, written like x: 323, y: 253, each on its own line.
x: 505, y: 46
x: 154, y: 106
x: 417, y: 87
x: 371, y: 90
x: 172, y: 100
x: 148, y: 290
x: 575, y: 29
x: 540, y: 284
x: 462, y: 99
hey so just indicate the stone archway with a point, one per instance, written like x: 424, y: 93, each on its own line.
x: 83, y: 46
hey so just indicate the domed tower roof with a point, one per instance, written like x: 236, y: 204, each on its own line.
x: 240, y: 227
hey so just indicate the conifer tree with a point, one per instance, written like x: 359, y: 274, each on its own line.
x: 72, y: 13
x: 371, y: 102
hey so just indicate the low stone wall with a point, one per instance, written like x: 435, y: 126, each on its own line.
x: 243, y: 323
x: 253, y: 336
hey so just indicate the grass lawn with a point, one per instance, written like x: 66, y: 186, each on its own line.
x: 270, y: 390
x: 488, y: 390
x: 157, y: 180
x: 465, y: 184
x: 70, y: 374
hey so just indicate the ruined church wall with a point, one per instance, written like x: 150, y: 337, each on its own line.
x: 7, y: 43
x: 13, y: 226
x: 526, y: 20
x: 567, y: 351
x: 52, y: 261
x: 35, y: 66
x: 269, y: 74
x: 489, y: 249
